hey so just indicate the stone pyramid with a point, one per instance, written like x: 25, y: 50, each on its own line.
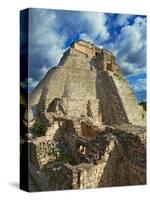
x: 86, y: 125
x: 87, y: 82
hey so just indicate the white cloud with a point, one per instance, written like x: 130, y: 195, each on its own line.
x: 127, y: 68
x: 130, y: 47
x: 123, y: 20
x: 29, y: 83
x: 50, y: 30
x: 54, y: 54
x: 86, y: 37
x: 95, y: 26
x: 32, y: 83
x: 46, y: 44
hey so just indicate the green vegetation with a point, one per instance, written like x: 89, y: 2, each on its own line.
x: 53, y: 152
x: 38, y: 128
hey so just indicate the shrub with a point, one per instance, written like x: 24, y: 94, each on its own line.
x: 38, y: 128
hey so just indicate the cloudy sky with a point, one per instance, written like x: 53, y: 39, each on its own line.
x: 51, y: 32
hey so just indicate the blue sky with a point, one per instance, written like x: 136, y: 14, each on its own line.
x: 52, y: 31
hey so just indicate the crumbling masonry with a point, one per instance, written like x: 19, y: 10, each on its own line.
x: 93, y: 131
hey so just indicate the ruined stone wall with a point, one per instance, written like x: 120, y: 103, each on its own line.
x: 128, y: 173
x: 87, y: 131
x: 119, y: 171
x: 86, y: 175
x: 131, y: 159
x: 133, y: 141
x: 86, y: 49
x: 69, y: 83
x: 121, y: 163
x: 73, y: 145
x: 108, y: 62
x: 103, y: 172
x: 111, y: 170
x: 60, y: 176
x: 75, y: 92
x: 74, y: 107
x: 53, y: 132
x: 98, y: 58
x: 122, y: 160
x: 40, y: 151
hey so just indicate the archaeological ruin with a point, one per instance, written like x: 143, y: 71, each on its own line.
x: 84, y: 128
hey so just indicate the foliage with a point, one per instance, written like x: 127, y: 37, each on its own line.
x: 38, y: 128
x: 53, y: 151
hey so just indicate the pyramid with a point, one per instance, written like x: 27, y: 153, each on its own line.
x: 85, y: 128
x: 88, y: 82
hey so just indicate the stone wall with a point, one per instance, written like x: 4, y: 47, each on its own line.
x: 77, y: 86
x: 75, y: 107
x: 73, y: 85
x: 112, y: 108
x: 133, y: 140
x: 85, y: 48
x: 109, y: 90
x: 111, y: 170
x: 134, y: 113
x: 76, y: 59
x: 121, y: 157
x: 61, y: 176
x: 114, y: 169
x: 41, y: 151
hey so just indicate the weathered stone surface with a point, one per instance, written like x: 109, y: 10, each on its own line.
x: 77, y: 85
x: 94, y: 132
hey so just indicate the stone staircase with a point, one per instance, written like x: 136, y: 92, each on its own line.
x: 118, y: 115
